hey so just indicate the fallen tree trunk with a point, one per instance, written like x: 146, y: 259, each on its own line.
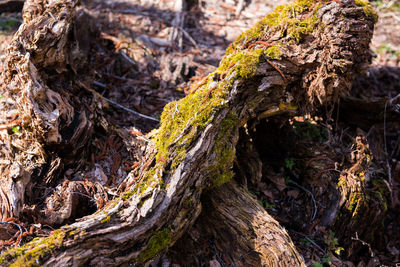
x: 296, y: 59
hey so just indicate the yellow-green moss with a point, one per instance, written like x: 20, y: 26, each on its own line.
x: 159, y: 241
x: 188, y: 202
x: 368, y: 9
x: 106, y: 220
x: 273, y: 52
x: 31, y: 253
x: 73, y: 232
x: 225, y: 152
x: 382, y: 192
x: 354, y: 202
x: 246, y: 62
x: 282, y: 19
x: 127, y: 195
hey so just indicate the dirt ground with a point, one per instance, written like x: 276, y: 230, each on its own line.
x: 148, y: 52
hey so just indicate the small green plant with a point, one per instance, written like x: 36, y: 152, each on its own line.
x: 388, y: 50
x: 289, y: 163
x: 265, y: 204
x: 8, y: 24
x: 16, y: 129
x: 327, y: 259
x: 269, y: 206
x: 310, y: 131
x: 306, y: 241
x: 332, y: 242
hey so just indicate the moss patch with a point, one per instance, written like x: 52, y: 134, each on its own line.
x: 159, y: 241
x: 368, y: 9
x: 31, y: 253
x: 106, y: 220
x: 224, y: 151
x: 284, y: 18
x: 127, y: 195
x: 244, y: 62
x: 381, y: 192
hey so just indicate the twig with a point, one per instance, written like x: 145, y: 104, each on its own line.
x: 121, y: 106
x: 365, y: 244
x: 312, y: 197
x: 389, y: 169
x: 176, y: 110
x: 276, y: 68
x: 177, y: 22
x: 124, y: 55
x: 310, y: 240
x: 188, y: 36
x: 14, y: 224
x: 130, y: 110
x: 239, y: 7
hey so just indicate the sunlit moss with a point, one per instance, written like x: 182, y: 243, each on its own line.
x: 286, y: 19
x: 224, y: 151
x: 368, y: 9
x: 244, y: 62
x: 33, y: 252
x: 106, y: 219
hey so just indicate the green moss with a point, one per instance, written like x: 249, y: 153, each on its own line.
x: 273, y: 52
x: 368, y: 9
x: 73, y: 232
x: 246, y: 62
x: 7, y: 24
x: 381, y: 192
x: 354, y: 202
x: 159, y: 241
x: 188, y: 202
x: 127, y: 195
x: 224, y: 151
x: 282, y: 19
x: 31, y: 253
x: 106, y: 220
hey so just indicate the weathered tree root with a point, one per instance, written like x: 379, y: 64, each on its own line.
x: 312, y: 63
x: 242, y: 231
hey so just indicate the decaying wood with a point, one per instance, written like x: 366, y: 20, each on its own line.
x: 46, y: 62
x: 43, y: 78
x: 243, y: 232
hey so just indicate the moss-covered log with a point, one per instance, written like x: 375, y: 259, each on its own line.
x: 299, y: 57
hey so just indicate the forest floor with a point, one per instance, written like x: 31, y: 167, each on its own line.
x: 149, y: 52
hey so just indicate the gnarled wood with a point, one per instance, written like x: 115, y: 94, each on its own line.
x: 243, y: 232
x: 203, y: 127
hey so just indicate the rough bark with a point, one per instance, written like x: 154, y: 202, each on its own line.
x: 243, y: 233
x: 195, y: 144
